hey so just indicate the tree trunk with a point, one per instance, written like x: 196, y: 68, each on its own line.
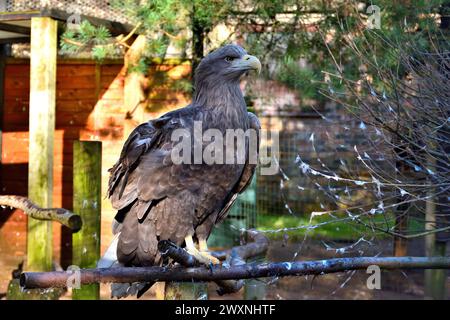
x: 198, y: 37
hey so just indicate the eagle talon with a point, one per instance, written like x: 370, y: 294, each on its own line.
x: 212, y: 260
x: 204, y: 258
x: 201, y: 255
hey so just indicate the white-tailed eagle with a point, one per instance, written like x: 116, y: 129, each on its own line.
x: 158, y: 198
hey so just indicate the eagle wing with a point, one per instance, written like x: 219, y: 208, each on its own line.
x: 144, y: 178
x: 144, y: 171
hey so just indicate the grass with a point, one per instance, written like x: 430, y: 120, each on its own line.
x: 336, y: 230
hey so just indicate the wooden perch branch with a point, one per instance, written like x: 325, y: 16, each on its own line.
x: 258, y: 246
x: 31, y: 280
x: 236, y: 256
x: 169, y: 249
x: 63, y: 216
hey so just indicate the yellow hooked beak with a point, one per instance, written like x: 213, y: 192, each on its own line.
x: 250, y: 62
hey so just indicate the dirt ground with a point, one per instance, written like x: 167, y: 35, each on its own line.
x: 395, y: 284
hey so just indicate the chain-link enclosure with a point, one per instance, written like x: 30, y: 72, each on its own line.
x: 96, y: 8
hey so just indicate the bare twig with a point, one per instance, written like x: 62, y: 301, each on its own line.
x: 122, y: 40
x: 73, y: 42
x: 63, y: 216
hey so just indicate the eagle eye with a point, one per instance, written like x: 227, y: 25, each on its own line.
x: 229, y: 59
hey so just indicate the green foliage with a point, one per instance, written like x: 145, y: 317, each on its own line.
x: 331, y: 228
x: 210, y: 12
x: 283, y: 43
x: 102, y: 52
x: 87, y: 37
x: 161, y: 20
x: 313, y: 31
x: 141, y: 66
x: 182, y: 85
x: 405, y: 30
x: 305, y: 80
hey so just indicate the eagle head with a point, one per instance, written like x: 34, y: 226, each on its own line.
x: 226, y: 64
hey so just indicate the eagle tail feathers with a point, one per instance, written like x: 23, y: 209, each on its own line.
x: 110, y: 256
x: 121, y: 290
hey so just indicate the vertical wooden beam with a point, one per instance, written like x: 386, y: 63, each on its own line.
x: 2, y: 98
x: 430, y: 240
x: 254, y: 289
x: 435, y: 279
x: 87, y: 174
x: 401, y: 215
x: 401, y: 227
x: 98, y: 80
x: 42, y: 128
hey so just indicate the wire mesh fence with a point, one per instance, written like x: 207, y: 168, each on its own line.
x: 313, y: 139
x: 96, y: 8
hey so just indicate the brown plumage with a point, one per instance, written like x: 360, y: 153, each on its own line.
x: 157, y: 199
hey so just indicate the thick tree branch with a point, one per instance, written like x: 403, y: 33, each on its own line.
x: 235, y: 256
x: 63, y: 216
x: 247, y: 271
x: 169, y: 249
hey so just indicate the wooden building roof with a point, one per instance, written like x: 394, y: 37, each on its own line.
x: 15, y: 26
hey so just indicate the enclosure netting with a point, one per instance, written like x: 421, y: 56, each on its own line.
x: 96, y: 8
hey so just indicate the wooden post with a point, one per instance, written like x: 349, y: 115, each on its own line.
x: 42, y: 128
x: 430, y: 240
x: 2, y: 95
x: 435, y: 279
x: 401, y: 227
x: 243, y: 214
x: 402, y: 215
x: 185, y: 291
x: 254, y: 289
x: 87, y: 164
x: 430, y: 224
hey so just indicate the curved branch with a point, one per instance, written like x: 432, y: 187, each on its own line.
x: 235, y: 256
x: 258, y: 246
x: 63, y: 216
x: 30, y: 280
x: 169, y: 249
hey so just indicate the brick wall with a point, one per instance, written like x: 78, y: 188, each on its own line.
x: 89, y: 106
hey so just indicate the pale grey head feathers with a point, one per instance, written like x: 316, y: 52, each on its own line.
x: 223, y: 67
